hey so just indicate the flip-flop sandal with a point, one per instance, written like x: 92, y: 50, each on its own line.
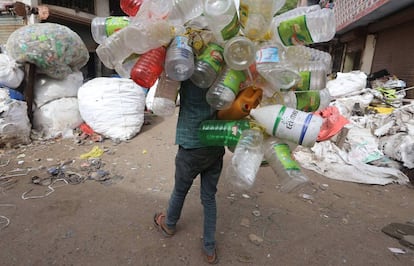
x: 398, y: 230
x: 212, y: 259
x: 159, y: 222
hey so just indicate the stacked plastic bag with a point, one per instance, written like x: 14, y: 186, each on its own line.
x: 55, y: 49
x: 58, y: 53
x: 55, y: 105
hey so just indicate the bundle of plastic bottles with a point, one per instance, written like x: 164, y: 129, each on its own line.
x: 257, y: 69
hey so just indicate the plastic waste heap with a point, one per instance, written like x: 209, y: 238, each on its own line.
x: 254, y: 64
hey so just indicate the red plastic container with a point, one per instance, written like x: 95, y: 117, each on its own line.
x: 149, y: 67
x: 130, y: 7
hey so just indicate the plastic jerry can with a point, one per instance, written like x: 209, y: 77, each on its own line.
x: 246, y: 100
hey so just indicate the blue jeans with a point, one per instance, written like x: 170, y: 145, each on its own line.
x: 189, y: 163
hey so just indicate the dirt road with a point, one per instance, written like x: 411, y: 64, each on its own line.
x: 109, y: 222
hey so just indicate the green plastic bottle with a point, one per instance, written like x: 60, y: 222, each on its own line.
x: 222, y: 132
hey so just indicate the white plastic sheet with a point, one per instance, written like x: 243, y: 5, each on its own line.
x: 347, y: 84
x: 327, y: 159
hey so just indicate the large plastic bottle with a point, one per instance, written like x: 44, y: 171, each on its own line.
x: 302, y: 26
x: 102, y: 27
x: 239, y: 52
x: 246, y: 100
x: 185, y: 10
x: 270, y: 64
x: 222, y: 18
x: 153, y: 9
x: 124, y: 69
x: 149, y: 67
x: 279, y: 156
x: 256, y: 16
x: 299, y: 53
x: 308, y: 101
x: 130, y: 7
x: 288, y: 123
x: 313, y: 75
x: 208, y: 65
x: 222, y: 132
x: 165, y: 96
x: 224, y: 90
x: 137, y: 38
x: 179, y: 62
x: 246, y: 159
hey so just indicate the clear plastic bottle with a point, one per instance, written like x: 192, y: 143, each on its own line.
x: 224, y: 90
x: 271, y: 65
x: 208, y: 66
x: 299, y: 53
x: 288, y: 123
x: 149, y: 67
x: 154, y: 9
x: 313, y: 76
x: 130, y: 7
x: 222, y: 18
x: 124, y: 69
x: 279, y: 156
x: 222, y: 132
x: 137, y: 38
x: 304, y: 25
x: 165, y: 96
x: 102, y: 27
x: 246, y: 159
x: 308, y: 101
x: 256, y: 16
x: 185, y: 10
x: 239, y: 53
x: 179, y: 62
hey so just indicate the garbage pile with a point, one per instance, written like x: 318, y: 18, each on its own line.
x: 269, y: 87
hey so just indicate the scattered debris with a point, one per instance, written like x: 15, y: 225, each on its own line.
x: 245, y: 222
x: 255, y: 239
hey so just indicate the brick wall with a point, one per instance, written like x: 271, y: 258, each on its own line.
x: 349, y: 11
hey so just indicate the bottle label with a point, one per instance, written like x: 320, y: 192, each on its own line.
x: 213, y: 55
x: 294, y: 31
x: 182, y: 43
x: 304, y: 82
x: 291, y: 124
x: 244, y: 14
x: 233, y: 79
x: 267, y: 55
x: 307, y: 101
x: 231, y: 29
x: 284, y: 155
x: 113, y: 24
x: 221, y: 132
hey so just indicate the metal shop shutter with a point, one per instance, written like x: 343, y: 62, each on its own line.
x: 394, y: 52
x: 9, y: 25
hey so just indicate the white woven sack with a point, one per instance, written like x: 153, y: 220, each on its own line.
x: 57, y: 118
x: 47, y: 89
x: 15, y: 126
x: 113, y: 107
